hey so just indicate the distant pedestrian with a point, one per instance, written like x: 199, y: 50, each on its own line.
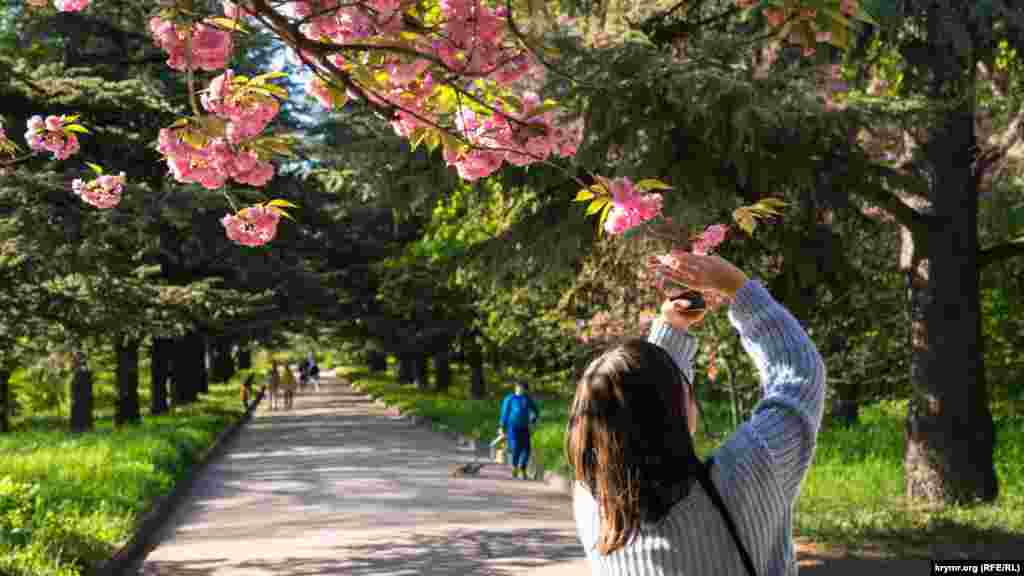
x: 288, y: 384
x: 314, y: 371
x: 274, y: 384
x: 518, y: 413
x: 247, y: 390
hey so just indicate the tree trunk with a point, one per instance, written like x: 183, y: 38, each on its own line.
x: 949, y: 428
x: 406, y: 367
x: 478, y: 385
x: 81, y: 397
x: 202, y: 362
x: 422, y: 371
x: 376, y: 360
x: 185, y: 372
x: 223, y: 363
x: 442, y: 369
x: 127, y: 350
x: 244, y: 357
x: 5, y: 401
x: 159, y: 370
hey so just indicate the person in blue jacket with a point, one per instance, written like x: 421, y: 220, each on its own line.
x: 518, y: 413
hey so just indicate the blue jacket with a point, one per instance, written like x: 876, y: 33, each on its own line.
x: 518, y: 411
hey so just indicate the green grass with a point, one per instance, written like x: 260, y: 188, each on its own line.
x: 68, y: 501
x: 850, y: 499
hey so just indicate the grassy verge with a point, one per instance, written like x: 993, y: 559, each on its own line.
x: 851, y: 499
x: 68, y: 501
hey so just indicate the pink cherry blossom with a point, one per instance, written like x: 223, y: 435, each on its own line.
x: 629, y: 208
x: 248, y: 112
x: 709, y: 239
x: 252, y: 226
x: 103, y: 192
x: 210, y: 46
x: 48, y: 135
x: 71, y: 5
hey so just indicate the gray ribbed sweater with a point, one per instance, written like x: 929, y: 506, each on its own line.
x: 758, y: 470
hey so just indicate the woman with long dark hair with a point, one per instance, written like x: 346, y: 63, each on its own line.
x: 644, y: 503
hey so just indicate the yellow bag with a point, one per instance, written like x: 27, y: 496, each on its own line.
x: 498, y: 450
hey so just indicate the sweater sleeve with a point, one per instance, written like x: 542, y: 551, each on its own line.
x: 679, y: 344
x: 792, y: 374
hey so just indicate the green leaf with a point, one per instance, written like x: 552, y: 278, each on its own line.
x: 281, y: 202
x: 418, y: 135
x: 545, y: 107
x: 745, y: 220
x: 583, y: 195
x: 180, y: 122
x: 72, y: 117
x: 75, y: 128
x: 597, y: 205
x: 227, y: 24
x: 773, y: 203
x: 95, y: 168
x: 603, y: 217
x: 269, y: 76
x: 433, y: 140
x: 651, y: 184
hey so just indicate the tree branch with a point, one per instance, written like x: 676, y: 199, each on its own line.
x: 999, y: 252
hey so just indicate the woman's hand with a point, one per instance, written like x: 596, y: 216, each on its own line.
x: 678, y: 314
x: 708, y: 274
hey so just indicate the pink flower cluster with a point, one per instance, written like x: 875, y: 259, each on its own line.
x: 706, y: 242
x: 220, y: 158
x: 62, y: 5
x: 214, y: 163
x: 210, y: 47
x: 605, y: 326
x: 247, y: 112
x: 102, y: 192
x: 630, y: 208
x: 470, y: 41
x: 252, y: 226
x: 49, y: 136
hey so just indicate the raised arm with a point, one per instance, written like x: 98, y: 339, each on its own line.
x: 792, y: 373
x: 678, y: 342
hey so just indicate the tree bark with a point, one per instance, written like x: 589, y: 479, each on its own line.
x: 949, y: 428
x: 127, y: 350
x: 223, y: 363
x: 442, y: 369
x: 5, y: 401
x: 406, y: 367
x: 199, y: 341
x: 478, y: 384
x: 81, y: 397
x: 376, y: 360
x: 185, y: 371
x: 159, y: 370
x: 244, y: 356
x: 422, y: 371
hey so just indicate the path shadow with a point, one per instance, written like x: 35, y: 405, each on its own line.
x: 461, y: 552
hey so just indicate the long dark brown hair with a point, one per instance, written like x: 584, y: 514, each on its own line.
x: 628, y: 440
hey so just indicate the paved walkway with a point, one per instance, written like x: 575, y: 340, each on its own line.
x: 340, y: 486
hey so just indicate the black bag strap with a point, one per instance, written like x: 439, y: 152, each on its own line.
x: 704, y: 477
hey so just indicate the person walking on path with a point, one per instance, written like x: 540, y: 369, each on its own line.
x: 643, y: 502
x: 274, y: 383
x: 310, y: 372
x: 289, y: 385
x: 518, y: 413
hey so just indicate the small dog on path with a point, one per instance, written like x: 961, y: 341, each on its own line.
x: 467, y: 469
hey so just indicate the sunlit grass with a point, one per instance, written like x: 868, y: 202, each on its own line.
x: 68, y: 501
